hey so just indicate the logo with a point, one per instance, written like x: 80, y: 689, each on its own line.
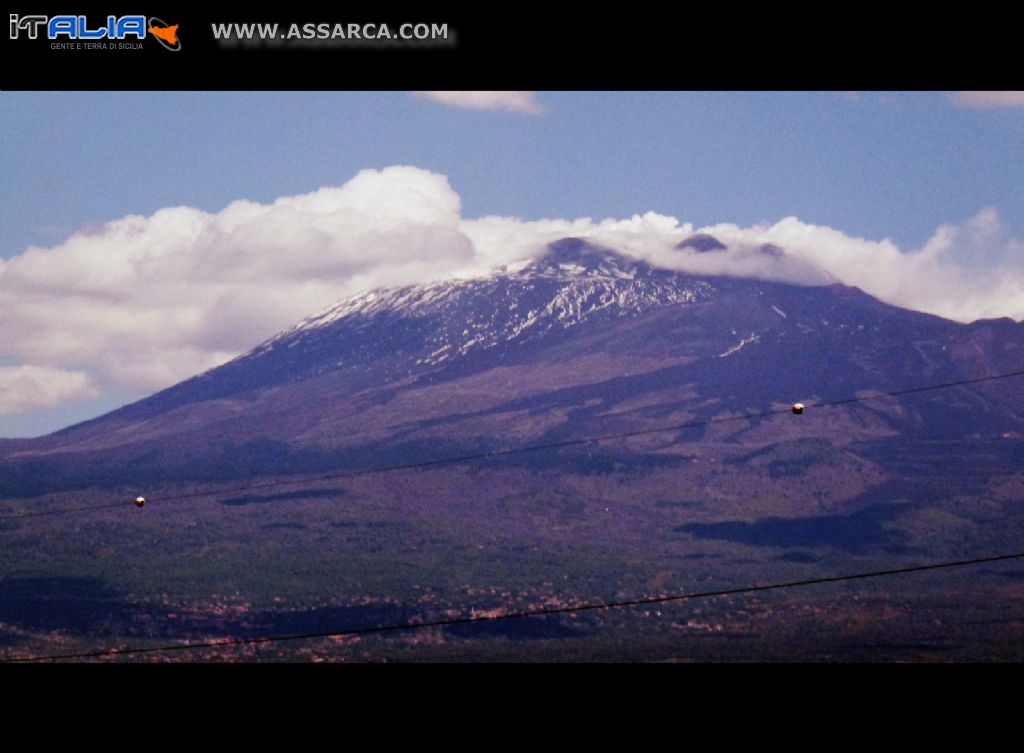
x: 164, y: 34
x: 75, y: 32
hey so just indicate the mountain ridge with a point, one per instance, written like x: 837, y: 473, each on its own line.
x: 539, y: 352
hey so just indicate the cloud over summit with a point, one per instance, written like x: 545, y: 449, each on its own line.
x: 143, y: 302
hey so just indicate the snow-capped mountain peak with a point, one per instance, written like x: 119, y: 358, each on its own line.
x: 572, y: 283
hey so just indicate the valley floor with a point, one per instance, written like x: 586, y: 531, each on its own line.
x: 448, y: 543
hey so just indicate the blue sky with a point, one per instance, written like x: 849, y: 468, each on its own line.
x: 880, y: 165
x: 870, y: 165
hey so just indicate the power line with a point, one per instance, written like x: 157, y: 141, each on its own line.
x: 62, y: 511
x: 913, y: 390
x: 604, y: 605
x: 489, y: 455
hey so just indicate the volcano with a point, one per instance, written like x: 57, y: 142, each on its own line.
x: 583, y: 341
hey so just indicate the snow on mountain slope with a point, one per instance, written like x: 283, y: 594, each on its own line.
x: 573, y: 283
x: 581, y: 341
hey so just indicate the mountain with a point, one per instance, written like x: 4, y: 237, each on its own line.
x: 582, y: 341
x: 702, y: 243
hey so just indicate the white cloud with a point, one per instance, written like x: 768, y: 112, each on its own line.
x: 524, y: 102
x: 988, y: 99
x: 26, y: 388
x: 152, y: 300
x: 966, y: 272
x: 143, y: 302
